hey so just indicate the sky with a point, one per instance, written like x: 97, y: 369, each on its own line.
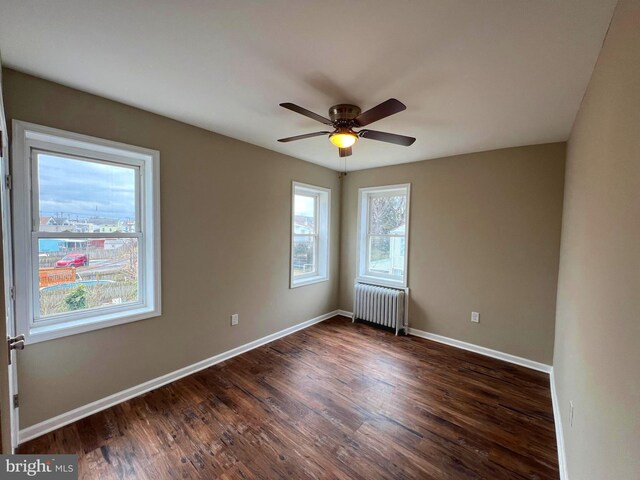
x: 85, y: 189
x: 304, y: 206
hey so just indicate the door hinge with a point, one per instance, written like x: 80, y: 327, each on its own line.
x: 8, y: 182
x: 16, y: 402
x: 12, y: 292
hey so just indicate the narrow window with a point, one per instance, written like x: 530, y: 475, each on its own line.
x: 309, y: 234
x: 87, y: 232
x: 383, y: 235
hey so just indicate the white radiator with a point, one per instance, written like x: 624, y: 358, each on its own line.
x: 381, y: 305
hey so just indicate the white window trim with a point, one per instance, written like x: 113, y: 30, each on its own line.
x: 28, y: 136
x: 323, y: 225
x: 363, y: 276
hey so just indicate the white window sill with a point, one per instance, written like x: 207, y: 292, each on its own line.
x: 42, y: 333
x: 302, y: 282
x: 381, y: 282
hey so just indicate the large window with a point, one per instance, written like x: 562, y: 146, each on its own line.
x: 309, y: 234
x: 383, y: 235
x: 86, y: 215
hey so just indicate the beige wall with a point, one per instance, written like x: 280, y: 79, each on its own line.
x: 225, y: 249
x: 484, y: 236
x: 597, y: 348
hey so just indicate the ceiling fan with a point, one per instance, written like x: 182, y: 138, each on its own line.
x: 343, y: 118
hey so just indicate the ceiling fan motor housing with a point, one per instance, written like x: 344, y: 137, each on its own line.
x: 342, y: 115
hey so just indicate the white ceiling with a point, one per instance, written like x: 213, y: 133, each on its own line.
x: 475, y: 74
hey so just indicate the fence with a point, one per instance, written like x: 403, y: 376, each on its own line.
x: 55, y: 276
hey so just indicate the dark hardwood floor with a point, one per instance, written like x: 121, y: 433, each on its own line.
x: 336, y: 400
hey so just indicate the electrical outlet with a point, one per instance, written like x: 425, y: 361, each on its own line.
x: 234, y: 319
x: 571, y: 414
x: 475, y: 317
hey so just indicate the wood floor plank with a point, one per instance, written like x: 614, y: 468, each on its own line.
x: 336, y: 400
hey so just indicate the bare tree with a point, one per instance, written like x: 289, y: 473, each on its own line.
x: 387, y: 213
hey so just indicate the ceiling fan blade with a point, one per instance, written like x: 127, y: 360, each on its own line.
x: 301, y: 137
x: 387, y: 137
x: 307, y: 113
x: 385, y: 109
x: 345, y: 152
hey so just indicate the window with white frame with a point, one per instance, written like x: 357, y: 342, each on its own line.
x: 87, y: 232
x: 309, y: 234
x: 383, y: 235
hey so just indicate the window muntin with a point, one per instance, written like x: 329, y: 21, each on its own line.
x: 87, y: 232
x: 309, y: 234
x: 383, y: 234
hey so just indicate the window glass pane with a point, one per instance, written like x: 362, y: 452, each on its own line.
x: 77, y: 274
x: 387, y: 214
x: 386, y: 255
x: 304, y: 254
x: 304, y: 214
x: 83, y: 196
x: 379, y: 254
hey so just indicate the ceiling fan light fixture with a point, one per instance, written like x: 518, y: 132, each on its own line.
x: 343, y: 139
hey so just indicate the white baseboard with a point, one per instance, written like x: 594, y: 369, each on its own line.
x: 54, y: 423
x: 507, y: 357
x: 562, y: 459
x: 344, y: 313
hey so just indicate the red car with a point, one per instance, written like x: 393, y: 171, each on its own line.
x: 73, y: 260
